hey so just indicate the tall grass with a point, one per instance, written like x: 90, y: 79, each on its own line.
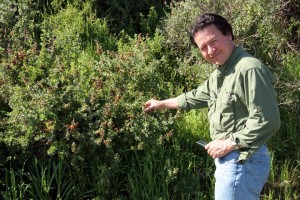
x: 283, y: 181
x: 51, y: 180
x: 39, y: 181
x: 15, y: 184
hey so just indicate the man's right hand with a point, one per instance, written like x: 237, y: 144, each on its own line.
x: 151, y: 105
x: 154, y: 104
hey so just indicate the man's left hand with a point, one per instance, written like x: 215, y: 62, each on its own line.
x: 219, y: 148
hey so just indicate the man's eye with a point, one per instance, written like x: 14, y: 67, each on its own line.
x: 203, y: 48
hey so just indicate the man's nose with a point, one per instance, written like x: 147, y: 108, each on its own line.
x: 210, y: 49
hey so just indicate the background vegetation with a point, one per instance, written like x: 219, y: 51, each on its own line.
x: 73, y: 79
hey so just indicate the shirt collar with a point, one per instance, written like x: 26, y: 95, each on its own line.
x: 231, y: 60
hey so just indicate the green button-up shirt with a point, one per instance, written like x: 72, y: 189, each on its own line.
x: 241, y: 101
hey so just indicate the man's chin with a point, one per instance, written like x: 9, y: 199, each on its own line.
x: 217, y: 63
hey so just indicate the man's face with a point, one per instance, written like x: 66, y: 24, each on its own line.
x: 214, y: 46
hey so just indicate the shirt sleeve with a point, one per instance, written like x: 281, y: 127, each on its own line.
x: 260, y: 100
x: 194, y: 99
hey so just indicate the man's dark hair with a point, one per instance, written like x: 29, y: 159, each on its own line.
x: 207, y: 19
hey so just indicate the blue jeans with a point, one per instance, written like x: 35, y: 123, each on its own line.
x: 236, y: 181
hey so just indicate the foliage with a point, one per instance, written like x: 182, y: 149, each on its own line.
x: 75, y: 98
x: 129, y: 15
x: 290, y: 15
x: 149, y: 22
x: 288, y: 97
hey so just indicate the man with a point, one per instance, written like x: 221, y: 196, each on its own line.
x: 243, y: 111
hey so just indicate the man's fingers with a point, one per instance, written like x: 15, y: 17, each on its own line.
x: 147, y: 107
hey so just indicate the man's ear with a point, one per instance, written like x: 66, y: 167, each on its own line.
x: 230, y: 36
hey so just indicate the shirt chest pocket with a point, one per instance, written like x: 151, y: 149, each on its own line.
x: 227, y: 111
x: 223, y: 116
